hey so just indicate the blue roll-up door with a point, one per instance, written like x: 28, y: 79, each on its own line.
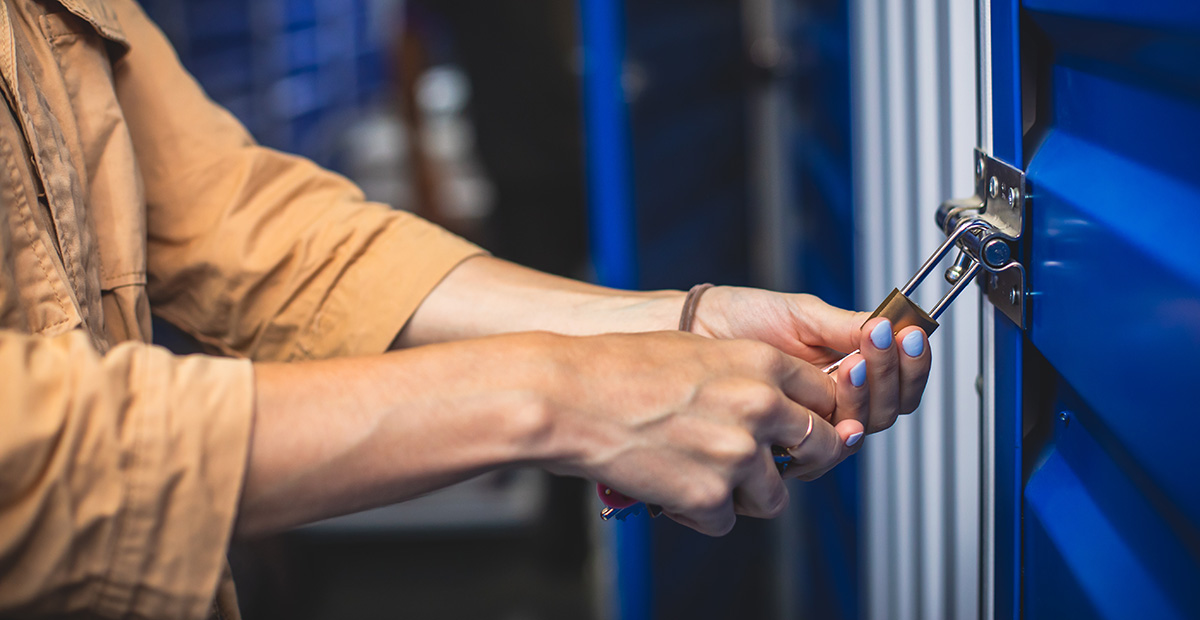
x: 1097, y: 496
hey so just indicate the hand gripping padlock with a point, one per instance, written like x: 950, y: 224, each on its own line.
x: 898, y: 307
x: 902, y: 311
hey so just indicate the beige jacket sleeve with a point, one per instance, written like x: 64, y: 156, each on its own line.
x: 119, y: 476
x: 255, y: 252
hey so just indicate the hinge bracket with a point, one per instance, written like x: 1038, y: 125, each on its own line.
x: 998, y: 212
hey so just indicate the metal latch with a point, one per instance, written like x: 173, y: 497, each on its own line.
x: 986, y: 228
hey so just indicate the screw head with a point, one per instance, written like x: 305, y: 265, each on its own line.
x: 993, y: 187
x: 1014, y: 296
x: 1064, y: 417
x: 1012, y: 196
x: 979, y: 167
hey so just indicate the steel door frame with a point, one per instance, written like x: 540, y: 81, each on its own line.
x: 1003, y: 342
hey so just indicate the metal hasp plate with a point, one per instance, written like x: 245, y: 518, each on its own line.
x: 999, y: 205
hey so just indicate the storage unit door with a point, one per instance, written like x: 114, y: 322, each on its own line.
x: 1097, y: 501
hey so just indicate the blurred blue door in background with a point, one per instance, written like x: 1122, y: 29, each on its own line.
x: 665, y: 107
x: 668, y: 86
x: 1097, y: 501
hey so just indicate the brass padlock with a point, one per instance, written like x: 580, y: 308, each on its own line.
x: 902, y: 311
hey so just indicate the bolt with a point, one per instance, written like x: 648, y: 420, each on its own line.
x: 996, y: 253
x: 979, y: 167
x: 993, y: 187
x: 956, y: 271
x: 1012, y: 196
x: 1014, y: 296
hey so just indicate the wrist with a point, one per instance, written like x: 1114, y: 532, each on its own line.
x: 510, y: 396
x: 633, y: 312
x: 548, y: 381
x: 708, y: 319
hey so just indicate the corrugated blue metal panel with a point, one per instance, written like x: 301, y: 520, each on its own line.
x: 1111, y: 506
x: 1097, y: 544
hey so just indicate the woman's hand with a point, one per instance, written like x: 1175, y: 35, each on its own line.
x: 875, y: 386
x: 688, y: 423
x: 672, y: 419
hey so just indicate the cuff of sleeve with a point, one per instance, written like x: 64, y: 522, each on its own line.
x: 383, y: 288
x: 186, y: 453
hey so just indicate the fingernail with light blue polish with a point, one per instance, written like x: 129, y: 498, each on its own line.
x: 913, y: 344
x: 858, y: 374
x: 881, y: 336
x: 853, y: 439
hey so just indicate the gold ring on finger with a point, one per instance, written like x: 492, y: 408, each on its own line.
x: 805, y: 437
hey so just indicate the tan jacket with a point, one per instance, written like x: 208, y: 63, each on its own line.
x: 124, y: 189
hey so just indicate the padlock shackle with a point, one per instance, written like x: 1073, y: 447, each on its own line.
x: 941, y: 252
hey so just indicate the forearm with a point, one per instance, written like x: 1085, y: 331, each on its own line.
x: 486, y: 295
x: 671, y: 418
x: 337, y: 436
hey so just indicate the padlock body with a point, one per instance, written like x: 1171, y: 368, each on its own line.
x: 903, y: 312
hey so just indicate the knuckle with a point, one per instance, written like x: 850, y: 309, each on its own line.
x: 725, y: 525
x: 716, y: 524
x: 779, y: 505
x: 708, y: 497
x: 916, y: 402
x: 759, y: 399
x: 881, y: 425
x: 761, y: 356
x: 747, y: 400
x: 722, y: 448
x: 885, y: 362
x: 811, y: 475
x: 738, y: 450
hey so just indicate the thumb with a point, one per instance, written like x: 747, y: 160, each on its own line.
x: 829, y: 326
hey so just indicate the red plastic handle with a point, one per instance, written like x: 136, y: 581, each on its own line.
x: 613, y: 498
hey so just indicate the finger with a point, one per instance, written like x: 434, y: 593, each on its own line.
x: 717, y: 521
x: 852, y: 392
x: 826, y: 446
x: 883, y: 373
x: 805, y: 384
x: 763, y: 495
x: 915, y: 359
x: 852, y: 436
x: 790, y: 425
x: 828, y: 326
